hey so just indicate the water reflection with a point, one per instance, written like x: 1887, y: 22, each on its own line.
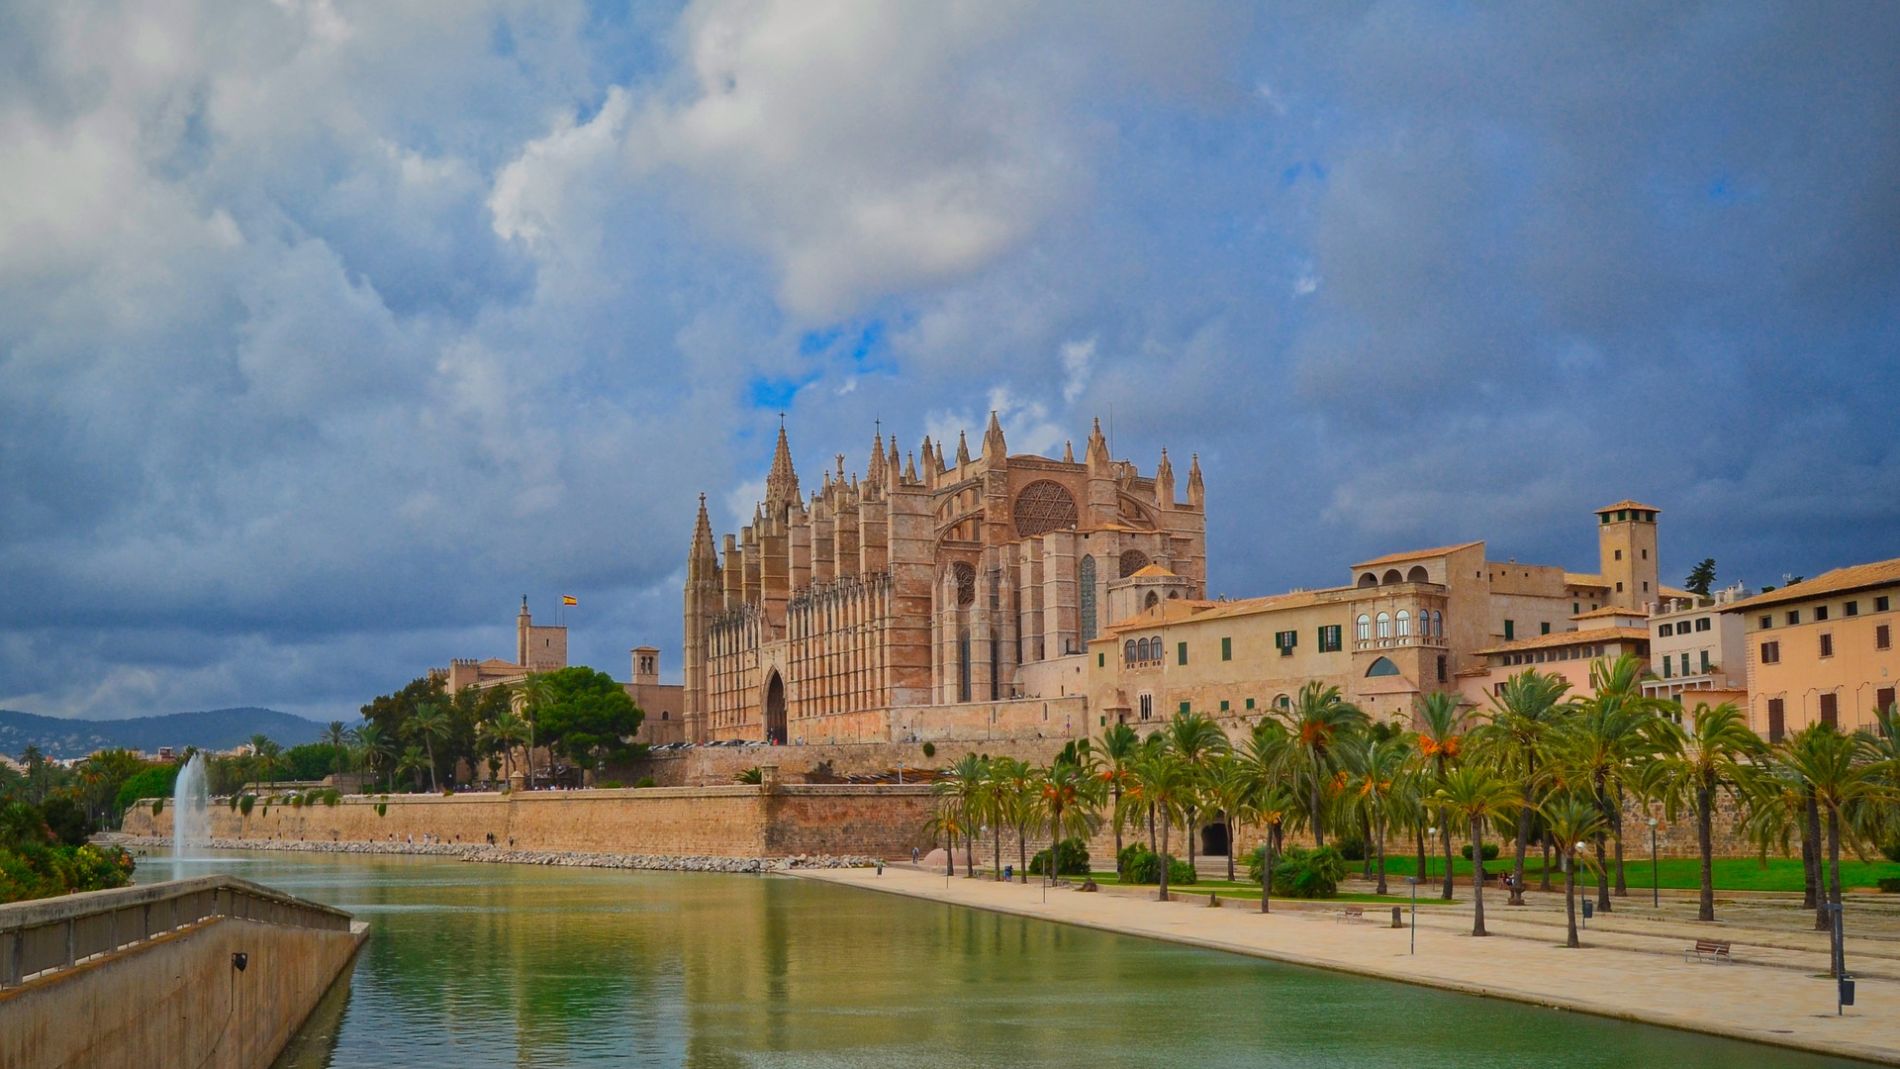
x: 485, y: 965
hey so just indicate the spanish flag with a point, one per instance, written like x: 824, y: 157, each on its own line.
x: 569, y: 599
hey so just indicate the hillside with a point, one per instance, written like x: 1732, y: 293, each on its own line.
x: 215, y: 729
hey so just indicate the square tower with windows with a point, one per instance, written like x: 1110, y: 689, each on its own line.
x: 1626, y: 543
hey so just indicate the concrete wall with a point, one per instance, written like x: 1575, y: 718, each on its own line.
x: 176, y: 1000
x: 718, y: 821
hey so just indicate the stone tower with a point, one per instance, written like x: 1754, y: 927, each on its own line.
x: 704, y: 599
x: 1626, y: 547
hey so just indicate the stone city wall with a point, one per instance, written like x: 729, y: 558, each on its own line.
x: 721, y: 821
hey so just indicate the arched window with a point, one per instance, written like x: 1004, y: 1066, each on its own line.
x: 1085, y: 578
x: 1128, y: 651
x: 1405, y: 624
x: 1368, y: 579
x: 1385, y: 625
x: 1438, y: 624
x: 1382, y: 667
x: 1364, y: 628
x: 1417, y: 574
x: 1154, y: 646
x: 1132, y: 561
x: 1153, y: 600
x: 1283, y: 702
x: 1391, y: 577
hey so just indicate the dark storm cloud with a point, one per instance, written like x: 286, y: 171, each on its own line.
x: 326, y: 330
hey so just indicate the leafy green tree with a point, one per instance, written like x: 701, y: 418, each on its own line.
x: 412, y: 761
x: 1701, y: 577
x: 337, y: 736
x: 962, y: 791
x: 1475, y: 794
x: 375, y: 748
x: 310, y: 761
x: 1571, y: 820
x: 1603, y: 741
x: 429, y: 723
x: 1229, y: 785
x: 155, y: 781
x: 1716, y: 757
x: 1523, y: 715
x: 505, y: 732
x: 586, y: 716
x: 1317, y: 721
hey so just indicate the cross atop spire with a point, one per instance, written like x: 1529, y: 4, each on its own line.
x: 994, y: 449
x: 781, y: 483
x: 963, y: 450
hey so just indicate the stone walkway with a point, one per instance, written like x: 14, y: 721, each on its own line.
x: 1635, y: 972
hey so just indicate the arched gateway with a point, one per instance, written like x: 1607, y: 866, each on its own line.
x: 775, y: 710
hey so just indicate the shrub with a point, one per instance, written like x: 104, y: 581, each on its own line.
x: 610, y: 785
x: 332, y: 796
x: 930, y: 749
x: 296, y: 801
x: 1892, y: 850
x: 1352, y: 848
x: 1490, y: 851
x: 1140, y: 865
x: 382, y: 809
x: 245, y: 803
x: 1073, y: 859
x: 69, y: 821
x: 154, y: 782
x: 1303, y: 873
x: 750, y: 775
x: 646, y: 781
x: 1890, y: 885
x: 158, y: 806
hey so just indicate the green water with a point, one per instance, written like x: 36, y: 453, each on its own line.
x: 496, y: 965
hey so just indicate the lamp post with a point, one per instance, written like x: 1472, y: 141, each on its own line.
x: 1587, y: 904
x: 1431, y: 836
x: 1655, y: 882
x: 1413, y: 880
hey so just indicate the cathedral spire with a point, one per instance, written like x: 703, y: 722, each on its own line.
x: 963, y: 450
x: 1164, y: 482
x: 890, y: 462
x: 910, y: 468
x: 1098, y: 447
x: 1068, y: 451
x: 874, y: 467
x: 994, y: 449
x: 702, y: 553
x: 781, y: 484
x: 1196, y: 490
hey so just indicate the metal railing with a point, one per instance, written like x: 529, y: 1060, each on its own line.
x: 48, y: 934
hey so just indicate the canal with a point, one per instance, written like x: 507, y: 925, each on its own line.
x: 475, y: 965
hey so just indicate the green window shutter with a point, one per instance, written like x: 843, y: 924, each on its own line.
x: 1226, y: 649
x: 1184, y: 707
x: 1223, y: 705
x: 1101, y: 660
x: 1180, y: 653
x: 1510, y: 630
x: 1544, y: 629
x: 1249, y: 703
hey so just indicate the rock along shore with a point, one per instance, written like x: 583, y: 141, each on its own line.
x: 502, y: 856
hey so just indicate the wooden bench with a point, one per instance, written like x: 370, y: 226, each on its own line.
x: 1350, y: 913
x: 1711, y: 950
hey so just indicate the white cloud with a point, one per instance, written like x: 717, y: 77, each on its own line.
x: 1078, y: 359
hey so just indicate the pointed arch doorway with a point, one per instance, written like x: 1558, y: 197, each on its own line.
x: 775, y: 710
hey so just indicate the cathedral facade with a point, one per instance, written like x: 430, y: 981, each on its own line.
x: 936, y: 582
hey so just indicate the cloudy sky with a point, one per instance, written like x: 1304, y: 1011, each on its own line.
x: 328, y: 329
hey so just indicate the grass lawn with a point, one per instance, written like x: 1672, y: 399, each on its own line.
x: 1683, y: 873
x: 1244, y: 889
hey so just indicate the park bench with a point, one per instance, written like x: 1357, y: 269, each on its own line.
x: 1350, y: 913
x: 1708, y: 950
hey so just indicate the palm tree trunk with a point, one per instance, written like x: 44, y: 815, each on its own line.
x: 1266, y: 871
x: 1233, y: 844
x: 1704, y: 840
x: 1523, y: 844
x: 969, y: 855
x: 1616, y: 828
x: 1379, y: 834
x: 998, y: 873
x: 434, y: 785
x: 1603, y: 876
x: 1418, y: 870
x: 1445, y: 892
x: 1319, y: 820
x: 1810, y: 883
x: 1055, y: 836
x: 1477, y: 877
x: 1821, y: 922
x: 1838, y: 964
x: 1022, y: 852
x: 1570, y: 905
x: 1118, y: 822
x: 1154, y: 846
x: 1164, y: 860
x: 949, y: 852
x: 1545, y: 884
x: 1188, y: 832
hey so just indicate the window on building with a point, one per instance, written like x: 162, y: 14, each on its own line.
x: 1510, y: 630
x: 1820, y: 613
x: 1851, y: 608
x: 1767, y: 621
x: 1685, y: 663
x: 1329, y: 639
x: 1645, y: 554
x: 1705, y: 660
x: 1883, y: 637
x: 1382, y: 667
x: 1249, y: 703
x: 1226, y: 648
x: 1284, y: 641
x: 1703, y: 623
x: 1881, y: 603
x: 1883, y: 702
x: 1544, y: 628
x: 1137, y: 651
x: 1665, y: 667
x: 1438, y: 624
x: 1180, y: 653
x: 1101, y: 660
x: 1283, y: 702
x: 1665, y: 630
x: 1771, y: 653
x: 1085, y: 579
x: 1619, y: 554
x: 1619, y: 586
x: 1830, y: 710
x: 1223, y: 705
x: 1441, y: 668
x: 1183, y: 708
x: 1147, y: 706
x: 1777, y: 720
x: 1576, y: 607
x: 1794, y: 617
x: 1827, y: 645
x: 1405, y: 624
x: 1362, y: 628
x: 1385, y: 625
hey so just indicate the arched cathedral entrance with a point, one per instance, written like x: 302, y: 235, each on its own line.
x: 775, y: 710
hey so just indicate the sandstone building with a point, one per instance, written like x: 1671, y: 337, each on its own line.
x: 939, y: 582
x: 1823, y: 650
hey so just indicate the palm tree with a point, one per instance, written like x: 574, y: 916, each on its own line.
x: 1230, y: 786
x: 1069, y: 800
x: 429, y: 723
x: 1441, y: 742
x: 1167, y: 784
x: 506, y: 731
x: 1197, y: 739
x: 269, y: 755
x: 337, y: 737
x: 966, y: 784
x: 1278, y: 808
x: 1110, y: 759
x: 1317, y: 720
x: 1379, y: 785
x: 1570, y: 820
x: 1013, y: 787
x: 1717, y: 756
x: 1598, y: 744
x: 1846, y: 787
x: 373, y: 746
x: 1523, y: 714
x: 1476, y: 794
x: 411, y: 761
x: 533, y: 694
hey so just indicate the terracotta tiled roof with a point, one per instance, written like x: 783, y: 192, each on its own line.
x: 1838, y: 581
x: 1417, y: 554
x: 1572, y: 638
x: 1150, y: 571
x: 1585, y: 579
x: 1169, y: 611
x: 1610, y: 610
x: 1296, y: 599
x: 1626, y: 503
x: 1673, y: 592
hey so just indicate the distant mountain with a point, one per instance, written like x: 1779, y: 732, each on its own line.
x: 215, y: 729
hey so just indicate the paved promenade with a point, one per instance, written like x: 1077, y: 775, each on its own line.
x: 1770, y: 995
